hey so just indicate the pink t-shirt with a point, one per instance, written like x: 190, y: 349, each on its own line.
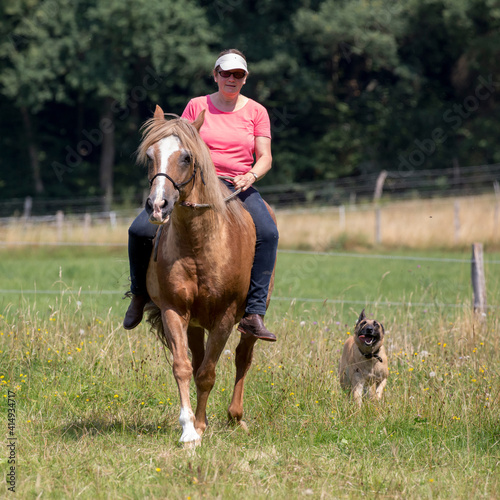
x: 230, y: 136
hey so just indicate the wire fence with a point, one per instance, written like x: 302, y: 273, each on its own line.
x: 293, y: 299
x: 397, y: 185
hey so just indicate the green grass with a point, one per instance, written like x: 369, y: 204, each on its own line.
x: 97, y: 407
x: 88, y: 275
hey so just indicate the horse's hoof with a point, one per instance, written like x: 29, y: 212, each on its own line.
x: 191, y: 445
x: 190, y: 436
x: 238, y: 423
x: 244, y: 426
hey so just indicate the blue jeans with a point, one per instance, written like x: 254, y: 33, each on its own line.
x: 140, y: 246
x: 265, y: 249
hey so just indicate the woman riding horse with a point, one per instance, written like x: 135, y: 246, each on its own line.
x: 235, y: 129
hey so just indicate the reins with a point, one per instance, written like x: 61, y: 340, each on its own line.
x: 207, y: 205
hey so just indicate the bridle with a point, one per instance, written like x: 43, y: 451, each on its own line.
x: 187, y: 203
x: 178, y: 185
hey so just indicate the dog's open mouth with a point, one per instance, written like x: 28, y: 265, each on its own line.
x: 367, y: 339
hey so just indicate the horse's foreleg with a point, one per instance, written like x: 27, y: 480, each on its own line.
x: 243, y: 360
x: 196, y: 342
x: 205, y: 376
x: 176, y: 330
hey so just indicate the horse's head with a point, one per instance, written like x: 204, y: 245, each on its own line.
x: 171, y: 165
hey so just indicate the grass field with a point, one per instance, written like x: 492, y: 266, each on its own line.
x: 97, y: 407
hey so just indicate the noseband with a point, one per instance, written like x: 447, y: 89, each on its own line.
x: 181, y: 184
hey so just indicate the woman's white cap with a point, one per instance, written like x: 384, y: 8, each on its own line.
x: 231, y: 61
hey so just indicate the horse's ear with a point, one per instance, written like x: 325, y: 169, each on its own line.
x: 199, y: 120
x: 159, y: 114
x: 361, y: 316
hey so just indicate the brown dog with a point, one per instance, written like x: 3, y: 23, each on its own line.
x: 363, y: 365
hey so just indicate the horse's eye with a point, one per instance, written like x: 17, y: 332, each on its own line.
x: 186, y: 158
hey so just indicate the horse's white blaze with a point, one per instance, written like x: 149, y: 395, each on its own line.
x: 166, y: 148
x: 186, y: 419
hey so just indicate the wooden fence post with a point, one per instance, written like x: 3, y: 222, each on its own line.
x: 496, y: 188
x: 478, y: 279
x: 59, y: 224
x: 342, y: 218
x: 28, y: 205
x: 378, y: 226
x: 456, y: 216
x: 87, y: 221
x: 379, y: 185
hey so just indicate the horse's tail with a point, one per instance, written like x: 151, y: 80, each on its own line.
x: 154, y: 319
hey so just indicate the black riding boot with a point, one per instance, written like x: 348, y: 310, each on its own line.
x: 140, y: 246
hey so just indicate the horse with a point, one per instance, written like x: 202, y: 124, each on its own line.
x: 199, y: 274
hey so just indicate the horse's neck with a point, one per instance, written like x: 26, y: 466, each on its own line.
x: 196, y: 227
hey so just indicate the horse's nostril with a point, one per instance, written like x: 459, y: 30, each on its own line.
x: 163, y: 203
x: 149, y: 204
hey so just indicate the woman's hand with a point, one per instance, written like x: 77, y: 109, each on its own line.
x: 262, y: 164
x: 244, y: 181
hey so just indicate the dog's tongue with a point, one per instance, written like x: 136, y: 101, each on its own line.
x: 366, y: 340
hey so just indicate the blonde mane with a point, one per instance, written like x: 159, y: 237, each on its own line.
x: 211, y: 191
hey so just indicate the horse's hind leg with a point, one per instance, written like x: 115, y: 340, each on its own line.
x: 196, y: 343
x: 244, y: 354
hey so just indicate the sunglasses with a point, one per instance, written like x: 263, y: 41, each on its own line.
x: 237, y: 74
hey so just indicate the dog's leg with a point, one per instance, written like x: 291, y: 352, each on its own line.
x: 357, y: 393
x: 380, y: 389
x: 372, y: 391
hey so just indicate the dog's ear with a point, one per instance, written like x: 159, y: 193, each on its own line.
x: 361, y: 316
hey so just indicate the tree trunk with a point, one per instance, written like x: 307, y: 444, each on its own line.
x: 107, y: 127
x: 32, y: 151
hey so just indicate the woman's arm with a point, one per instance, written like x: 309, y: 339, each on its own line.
x: 262, y: 165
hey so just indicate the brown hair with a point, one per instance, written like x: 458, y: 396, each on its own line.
x: 232, y: 51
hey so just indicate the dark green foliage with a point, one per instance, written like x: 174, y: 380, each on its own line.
x: 352, y: 87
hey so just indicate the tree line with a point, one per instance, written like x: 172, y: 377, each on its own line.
x: 352, y: 86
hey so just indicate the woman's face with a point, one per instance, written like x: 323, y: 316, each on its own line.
x: 230, y: 85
